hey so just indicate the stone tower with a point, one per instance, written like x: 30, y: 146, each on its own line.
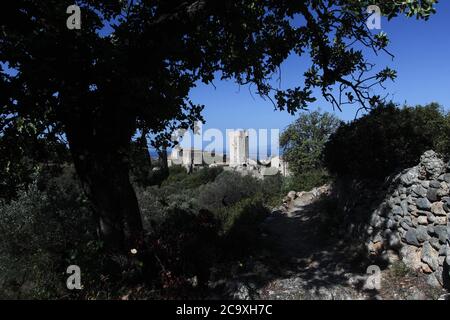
x: 238, y: 147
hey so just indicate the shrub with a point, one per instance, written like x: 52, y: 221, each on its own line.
x: 386, y: 140
x: 400, y: 269
x: 41, y: 233
x: 305, y: 181
x: 186, y: 246
x: 49, y: 226
x: 240, y: 225
x: 179, y: 175
x: 228, y: 189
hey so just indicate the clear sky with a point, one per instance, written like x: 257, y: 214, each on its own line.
x: 422, y: 60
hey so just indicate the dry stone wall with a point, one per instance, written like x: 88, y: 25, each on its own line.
x: 413, y: 220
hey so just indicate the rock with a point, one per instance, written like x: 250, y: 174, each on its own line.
x: 430, y: 256
x: 425, y: 184
x: 411, y: 237
x: 422, y: 220
x: 438, y: 209
x: 404, y: 206
x: 443, y: 251
x: 376, y: 221
x: 242, y: 292
x: 432, y: 164
x: 425, y: 268
x: 267, y: 171
x: 432, y: 280
x: 443, y: 190
x: 383, y: 210
x: 419, y: 190
x: 394, y: 241
x: 446, y: 206
x: 435, y: 243
x: 423, y: 204
x: 300, y: 193
x: 441, y: 233
x: 292, y: 195
x: 305, y: 199
x: 391, y: 224
x: 375, y: 248
x: 411, y: 200
x: 397, y: 210
x: 441, y: 220
x: 409, y: 177
x: 430, y: 217
x: 430, y: 230
x: 391, y: 256
x: 422, y: 234
x: 435, y: 184
x: 432, y: 194
x: 412, y: 208
x: 411, y: 257
x: 439, y: 276
x: 406, y: 223
x: 447, y: 177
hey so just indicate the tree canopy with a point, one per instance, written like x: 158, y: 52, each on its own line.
x: 386, y: 140
x: 303, y: 141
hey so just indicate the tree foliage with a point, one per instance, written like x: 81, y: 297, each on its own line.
x: 386, y: 140
x: 303, y: 141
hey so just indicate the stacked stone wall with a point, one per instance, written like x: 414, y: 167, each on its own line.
x: 413, y: 219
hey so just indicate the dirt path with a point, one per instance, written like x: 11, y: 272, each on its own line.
x: 301, y: 260
x: 306, y: 263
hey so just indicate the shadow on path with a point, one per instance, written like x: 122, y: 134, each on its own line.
x: 301, y: 261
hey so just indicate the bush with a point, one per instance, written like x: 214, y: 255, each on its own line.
x: 186, y: 245
x: 178, y: 174
x: 305, y: 181
x: 240, y: 225
x: 386, y: 140
x: 50, y: 226
x: 230, y: 187
x: 42, y: 232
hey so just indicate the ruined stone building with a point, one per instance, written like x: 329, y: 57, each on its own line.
x: 236, y: 159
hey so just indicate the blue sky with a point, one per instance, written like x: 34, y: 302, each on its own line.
x: 422, y: 60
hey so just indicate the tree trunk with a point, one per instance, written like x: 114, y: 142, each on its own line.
x: 143, y: 145
x: 101, y: 159
x: 106, y: 182
x: 163, y: 161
